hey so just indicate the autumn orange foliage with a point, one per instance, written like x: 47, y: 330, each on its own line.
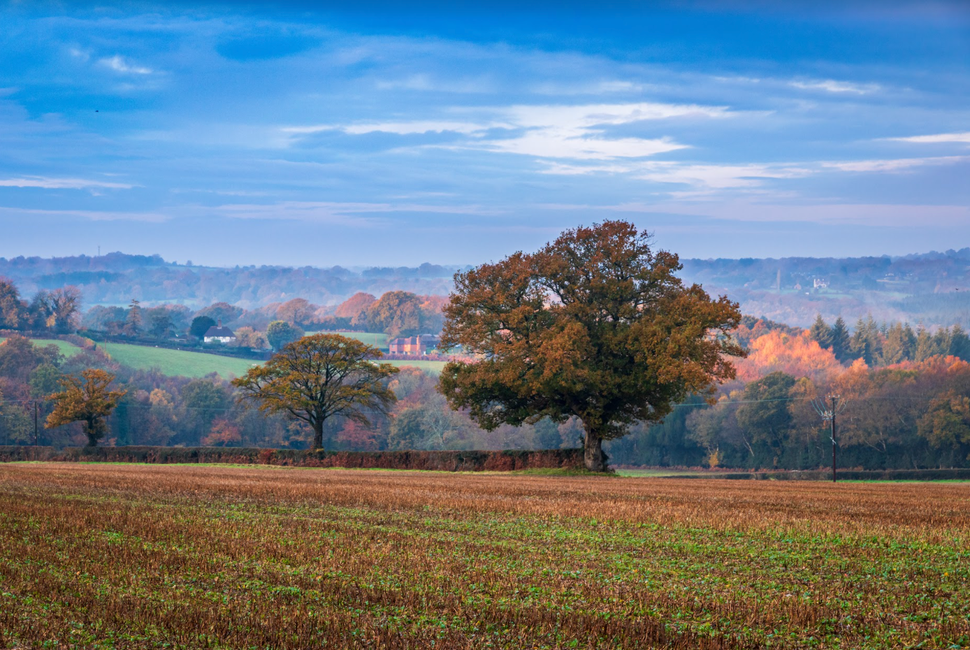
x: 796, y: 355
x: 223, y: 434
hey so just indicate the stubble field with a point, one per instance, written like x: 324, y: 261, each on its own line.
x: 194, y: 556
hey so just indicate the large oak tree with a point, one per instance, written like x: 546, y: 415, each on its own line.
x: 319, y: 377
x: 594, y: 325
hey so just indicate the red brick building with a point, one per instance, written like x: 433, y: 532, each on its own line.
x: 413, y: 344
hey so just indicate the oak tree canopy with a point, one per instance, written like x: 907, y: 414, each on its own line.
x: 594, y: 325
x: 319, y: 377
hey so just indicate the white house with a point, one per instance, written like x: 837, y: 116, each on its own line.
x: 219, y: 334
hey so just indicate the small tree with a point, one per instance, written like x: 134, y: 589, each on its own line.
x: 298, y: 311
x: 900, y: 344
x: 160, y: 323
x: 318, y: 377
x: 821, y: 333
x: 279, y: 333
x: 206, y: 401
x: 594, y: 325
x: 13, y: 310
x: 841, y: 344
x: 223, y: 434
x: 200, y: 325
x: 764, y: 416
x: 247, y: 337
x: 221, y: 312
x: 58, y: 310
x: 133, y: 319
x: 354, y: 309
x: 398, y: 313
x: 86, y: 400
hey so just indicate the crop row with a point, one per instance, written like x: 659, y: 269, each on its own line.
x: 138, y: 556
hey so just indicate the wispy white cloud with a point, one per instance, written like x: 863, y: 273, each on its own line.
x: 579, y: 132
x: 61, y: 183
x: 338, y: 213
x: 544, y: 131
x: 401, y: 128
x: 737, y: 79
x: 581, y: 145
x: 119, y: 64
x: 91, y: 215
x: 939, y: 138
x: 577, y: 169
x: 593, y: 115
x: 695, y: 175
x: 893, y: 165
x: 425, y: 82
x: 705, y: 179
x: 720, y: 176
x: 602, y: 87
x: 78, y: 53
x: 867, y: 214
x: 832, y: 86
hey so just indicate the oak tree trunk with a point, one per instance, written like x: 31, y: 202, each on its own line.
x: 317, y: 435
x: 93, y: 430
x: 593, y: 454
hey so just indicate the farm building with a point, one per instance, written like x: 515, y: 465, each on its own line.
x: 219, y: 334
x: 413, y: 344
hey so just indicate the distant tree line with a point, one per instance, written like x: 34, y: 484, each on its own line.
x: 931, y: 288
x: 910, y: 414
x: 169, y: 411
x: 115, y: 278
x: 908, y: 389
x: 58, y: 311
x: 396, y: 313
x: 923, y: 274
x: 907, y: 396
x: 888, y: 344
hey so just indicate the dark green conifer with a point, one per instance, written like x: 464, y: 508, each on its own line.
x: 959, y: 343
x: 821, y: 333
x: 927, y: 345
x: 841, y: 343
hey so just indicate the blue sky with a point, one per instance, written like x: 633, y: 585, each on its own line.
x: 372, y: 135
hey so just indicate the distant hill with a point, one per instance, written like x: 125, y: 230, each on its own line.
x: 116, y: 278
x: 932, y: 288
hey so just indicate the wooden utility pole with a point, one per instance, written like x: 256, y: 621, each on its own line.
x: 828, y: 409
x: 36, y: 413
x: 834, y: 444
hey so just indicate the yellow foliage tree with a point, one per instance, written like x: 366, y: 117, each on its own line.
x: 86, y: 400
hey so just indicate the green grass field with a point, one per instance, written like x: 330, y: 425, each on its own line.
x: 199, y: 364
x: 661, y: 473
x: 146, y: 556
x: 67, y: 349
x: 187, y: 363
x: 430, y: 367
x: 376, y: 339
x: 177, y: 362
